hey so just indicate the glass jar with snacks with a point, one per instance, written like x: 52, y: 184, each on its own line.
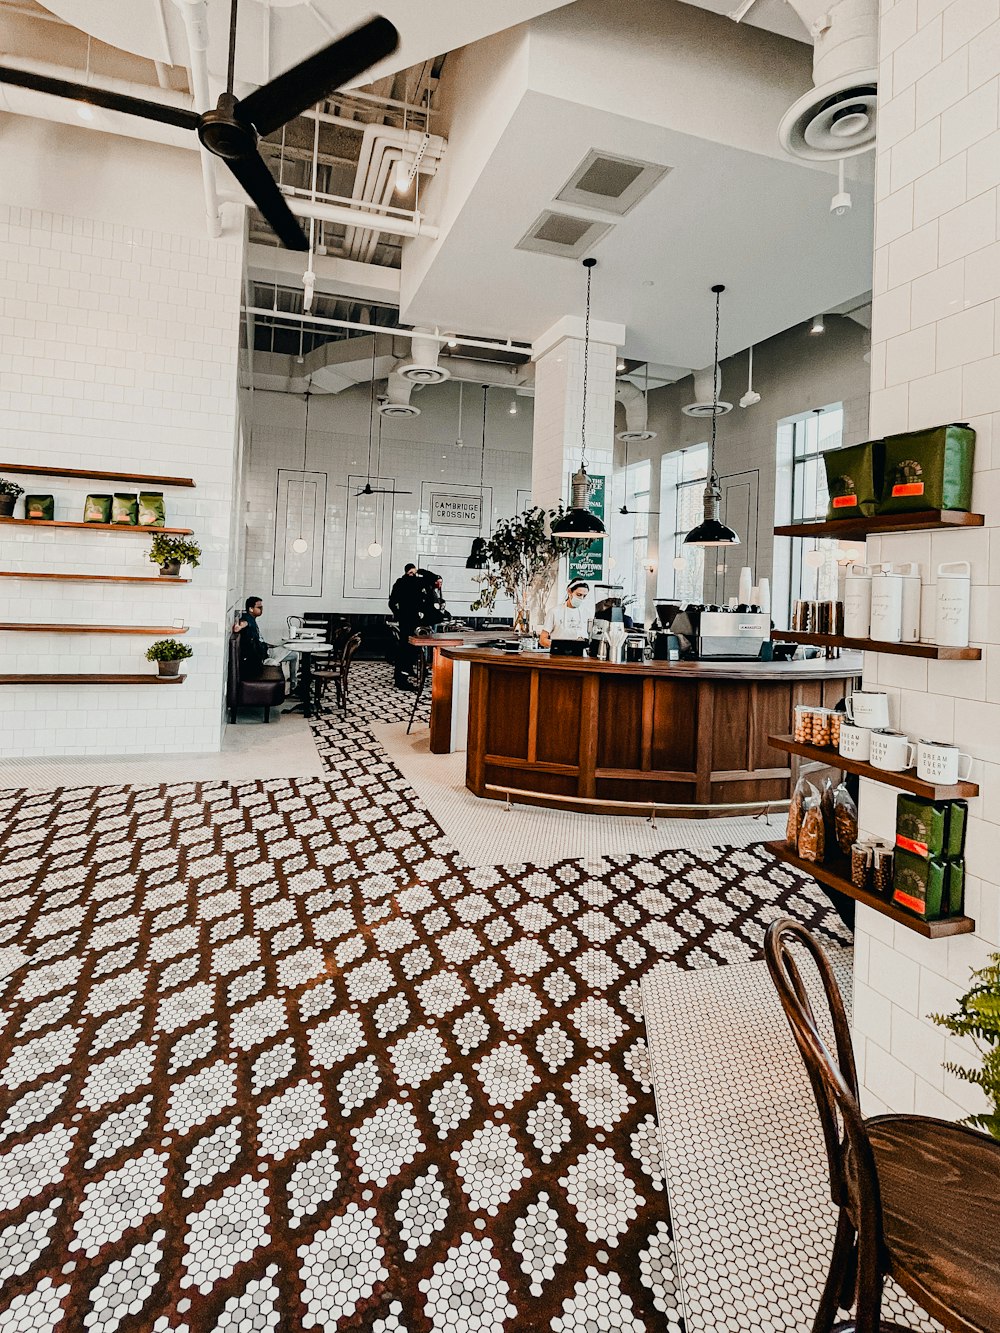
x: 882, y: 855
x: 836, y: 721
x: 812, y: 725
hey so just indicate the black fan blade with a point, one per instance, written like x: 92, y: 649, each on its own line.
x: 305, y: 84
x: 252, y: 173
x: 80, y: 92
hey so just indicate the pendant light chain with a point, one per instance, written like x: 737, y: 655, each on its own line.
x: 586, y: 360
x: 482, y: 463
x: 718, y: 289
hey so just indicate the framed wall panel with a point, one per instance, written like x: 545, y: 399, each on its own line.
x: 300, y: 510
x: 739, y: 511
x: 369, y: 521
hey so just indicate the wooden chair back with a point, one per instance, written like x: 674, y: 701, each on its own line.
x: 834, y: 1080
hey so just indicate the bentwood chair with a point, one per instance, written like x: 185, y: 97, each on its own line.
x: 917, y: 1197
x: 338, y: 673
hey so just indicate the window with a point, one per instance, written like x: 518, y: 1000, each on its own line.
x: 682, y: 490
x: 801, y: 495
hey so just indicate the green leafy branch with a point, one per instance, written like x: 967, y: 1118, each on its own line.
x: 520, y: 550
x: 978, y: 1017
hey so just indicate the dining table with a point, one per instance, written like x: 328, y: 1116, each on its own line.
x: 307, y: 649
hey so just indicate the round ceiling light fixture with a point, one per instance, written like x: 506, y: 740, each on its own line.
x: 837, y: 119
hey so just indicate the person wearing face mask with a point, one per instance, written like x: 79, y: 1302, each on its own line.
x: 566, y: 621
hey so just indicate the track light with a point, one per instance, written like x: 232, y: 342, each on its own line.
x: 403, y: 176
x: 620, y: 367
x: 452, y: 340
x: 818, y: 326
x: 512, y: 410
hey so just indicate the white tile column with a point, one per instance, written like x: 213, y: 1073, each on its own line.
x: 556, y: 440
x: 936, y: 359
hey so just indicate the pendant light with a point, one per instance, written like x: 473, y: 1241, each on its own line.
x: 711, y: 531
x: 477, y: 556
x: 578, y: 521
x: 300, y: 545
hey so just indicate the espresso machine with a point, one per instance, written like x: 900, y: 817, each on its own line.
x: 713, y: 633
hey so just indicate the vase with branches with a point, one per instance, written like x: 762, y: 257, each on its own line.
x: 523, y: 562
x: 978, y: 1017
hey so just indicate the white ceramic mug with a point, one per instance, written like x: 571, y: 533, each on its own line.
x: 868, y: 708
x: 941, y: 763
x: 855, y: 741
x: 892, y: 751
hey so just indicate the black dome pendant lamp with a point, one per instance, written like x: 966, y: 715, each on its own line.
x: 711, y: 531
x: 578, y: 521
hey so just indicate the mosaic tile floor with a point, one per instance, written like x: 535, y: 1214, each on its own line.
x: 743, y: 1156
x: 273, y: 1057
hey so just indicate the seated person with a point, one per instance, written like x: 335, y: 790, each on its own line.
x: 253, y: 649
x: 566, y: 621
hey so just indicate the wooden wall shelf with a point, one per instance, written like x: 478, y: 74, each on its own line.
x: 96, y: 527
x: 836, y: 875
x: 146, y: 679
x: 857, y: 529
x: 85, y: 474
x: 907, y: 781
x: 148, y: 630
x: 938, y: 651
x: 92, y: 578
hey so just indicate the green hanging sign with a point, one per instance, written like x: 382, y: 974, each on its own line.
x: 587, y: 560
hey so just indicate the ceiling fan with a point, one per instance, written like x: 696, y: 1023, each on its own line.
x: 233, y: 129
x: 368, y: 488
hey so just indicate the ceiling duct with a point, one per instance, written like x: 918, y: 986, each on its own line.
x: 421, y: 367
x: 836, y: 119
x: 636, y: 419
x: 704, y: 399
x: 396, y: 402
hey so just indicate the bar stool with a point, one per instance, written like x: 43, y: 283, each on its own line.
x: 918, y: 1197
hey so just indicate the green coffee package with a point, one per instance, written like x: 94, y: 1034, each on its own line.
x: 958, y: 817
x: 921, y: 826
x: 124, y: 508
x: 956, y: 887
x: 919, y: 885
x: 928, y: 469
x: 151, y: 511
x: 97, y: 509
x: 853, y: 477
x: 40, y: 506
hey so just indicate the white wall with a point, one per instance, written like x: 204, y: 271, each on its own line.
x: 119, y: 342
x: 936, y: 358
x: 414, y: 450
x: 794, y: 373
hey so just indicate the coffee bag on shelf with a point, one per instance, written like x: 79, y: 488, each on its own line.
x: 853, y: 476
x: 151, y: 511
x: 928, y: 469
x: 97, y: 509
x: 918, y: 884
x: 40, y: 507
x: 124, y: 509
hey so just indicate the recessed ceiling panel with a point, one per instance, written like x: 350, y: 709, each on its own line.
x: 611, y: 183
x: 562, y: 234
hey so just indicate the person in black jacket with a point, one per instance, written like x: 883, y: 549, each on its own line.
x: 433, y: 610
x: 253, y: 649
x: 405, y: 602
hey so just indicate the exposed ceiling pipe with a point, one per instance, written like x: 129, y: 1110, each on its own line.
x: 636, y: 412
x: 396, y: 402
x: 382, y: 146
x: 836, y: 118
x: 195, y: 15
x: 421, y: 366
x: 344, y: 213
x: 324, y: 321
x: 704, y: 398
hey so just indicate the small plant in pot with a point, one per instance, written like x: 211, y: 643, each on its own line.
x: 9, y: 491
x: 168, y: 655
x: 171, y: 552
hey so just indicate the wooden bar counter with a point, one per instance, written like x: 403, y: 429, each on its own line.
x: 685, y: 738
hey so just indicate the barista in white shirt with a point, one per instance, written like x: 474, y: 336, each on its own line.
x: 566, y: 621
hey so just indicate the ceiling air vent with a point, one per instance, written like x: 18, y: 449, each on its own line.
x: 612, y: 184
x: 562, y: 234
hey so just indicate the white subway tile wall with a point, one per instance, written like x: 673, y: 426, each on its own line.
x: 937, y: 316
x: 119, y: 351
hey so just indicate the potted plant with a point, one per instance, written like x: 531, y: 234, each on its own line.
x: 171, y: 552
x: 523, y: 562
x: 168, y: 655
x: 978, y: 1017
x: 9, y: 491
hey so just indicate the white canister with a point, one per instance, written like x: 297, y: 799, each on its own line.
x: 910, y: 627
x: 887, y: 606
x: 954, y: 589
x: 857, y: 601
